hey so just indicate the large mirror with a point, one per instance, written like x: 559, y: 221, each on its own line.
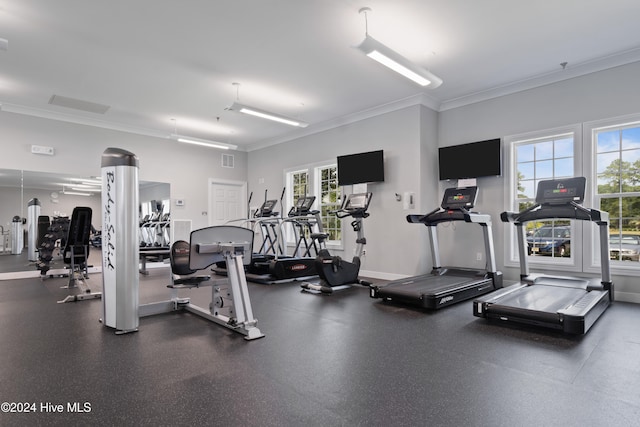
x: 57, y: 195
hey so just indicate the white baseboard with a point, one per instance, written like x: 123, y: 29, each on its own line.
x: 381, y: 275
x: 626, y: 297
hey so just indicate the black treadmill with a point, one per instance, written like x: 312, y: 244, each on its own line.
x: 570, y: 304
x: 446, y: 285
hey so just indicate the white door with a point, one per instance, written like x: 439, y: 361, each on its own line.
x: 227, y: 201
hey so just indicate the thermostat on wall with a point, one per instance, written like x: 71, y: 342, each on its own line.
x: 179, y: 202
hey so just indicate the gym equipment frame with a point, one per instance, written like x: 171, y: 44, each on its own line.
x: 230, y: 303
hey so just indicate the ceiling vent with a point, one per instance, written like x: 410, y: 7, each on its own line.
x: 228, y: 161
x: 78, y: 104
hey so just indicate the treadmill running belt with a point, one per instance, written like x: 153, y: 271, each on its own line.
x: 548, y: 299
x: 427, y: 284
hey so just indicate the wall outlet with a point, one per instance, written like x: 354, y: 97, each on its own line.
x: 479, y: 256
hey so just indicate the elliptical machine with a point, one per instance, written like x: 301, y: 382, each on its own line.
x: 334, y: 272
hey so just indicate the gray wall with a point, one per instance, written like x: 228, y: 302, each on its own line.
x: 410, y: 138
x: 78, y: 150
x: 601, y: 95
x: 392, y: 247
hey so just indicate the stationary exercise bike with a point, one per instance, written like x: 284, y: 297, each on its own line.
x: 334, y: 272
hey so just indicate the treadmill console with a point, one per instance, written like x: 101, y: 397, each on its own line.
x: 457, y: 198
x: 561, y: 191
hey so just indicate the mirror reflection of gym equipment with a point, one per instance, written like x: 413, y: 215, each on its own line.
x: 18, y: 187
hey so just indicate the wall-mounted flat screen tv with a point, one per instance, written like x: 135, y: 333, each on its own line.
x: 473, y: 160
x: 360, y: 168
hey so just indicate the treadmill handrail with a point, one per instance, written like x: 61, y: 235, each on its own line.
x: 571, y: 210
x: 551, y: 211
x: 441, y: 215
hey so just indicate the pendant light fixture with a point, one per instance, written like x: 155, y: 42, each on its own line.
x: 264, y: 114
x: 198, y: 141
x: 393, y: 60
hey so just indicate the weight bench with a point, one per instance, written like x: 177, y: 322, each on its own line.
x: 76, y: 255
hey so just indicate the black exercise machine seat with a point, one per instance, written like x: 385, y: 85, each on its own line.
x: 76, y: 248
x: 181, y: 276
x: 76, y: 254
x: 571, y: 304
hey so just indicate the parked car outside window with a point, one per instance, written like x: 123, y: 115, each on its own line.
x: 550, y: 240
x: 624, y: 247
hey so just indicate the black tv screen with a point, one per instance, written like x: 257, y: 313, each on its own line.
x: 361, y: 168
x: 472, y: 160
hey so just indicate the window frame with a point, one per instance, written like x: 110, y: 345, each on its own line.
x: 335, y: 206
x: 572, y: 263
x: 313, y: 181
x: 592, y: 257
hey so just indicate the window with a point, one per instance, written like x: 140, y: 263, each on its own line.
x: 320, y: 180
x: 537, y: 157
x: 617, y: 173
x: 611, y: 162
x: 329, y: 194
x: 299, y: 185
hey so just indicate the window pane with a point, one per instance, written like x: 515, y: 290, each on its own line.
x: 631, y: 138
x: 563, y: 167
x: 329, y: 196
x: 612, y: 206
x: 563, y: 148
x: 544, y: 150
x: 549, y: 238
x: 607, y: 186
x: 624, y: 231
x: 525, y: 153
x: 526, y: 190
x: 544, y: 169
x: 608, y: 164
x: 630, y: 210
x: 551, y: 159
x: 608, y: 141
x: 525, y: 170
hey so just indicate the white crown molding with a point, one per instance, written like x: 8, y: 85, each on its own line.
x: 572, y: 71
x: 420, y: 99
x: 81, y: 120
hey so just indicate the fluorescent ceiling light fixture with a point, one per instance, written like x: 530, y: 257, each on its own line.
x: 90, y: 189
x: 86, y: 180
x: 84, y: 185
x: 398, y: 63
x: 257, y: 112
x: 204, y: 142
x: 73, y: 193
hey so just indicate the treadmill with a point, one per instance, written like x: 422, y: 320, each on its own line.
x: 568, y: 304
x: 445, y: 286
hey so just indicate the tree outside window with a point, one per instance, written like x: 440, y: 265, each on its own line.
x: 618, y: 187
x: 330, y: 202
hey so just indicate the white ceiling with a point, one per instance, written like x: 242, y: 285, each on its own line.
x: 152, y: 61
